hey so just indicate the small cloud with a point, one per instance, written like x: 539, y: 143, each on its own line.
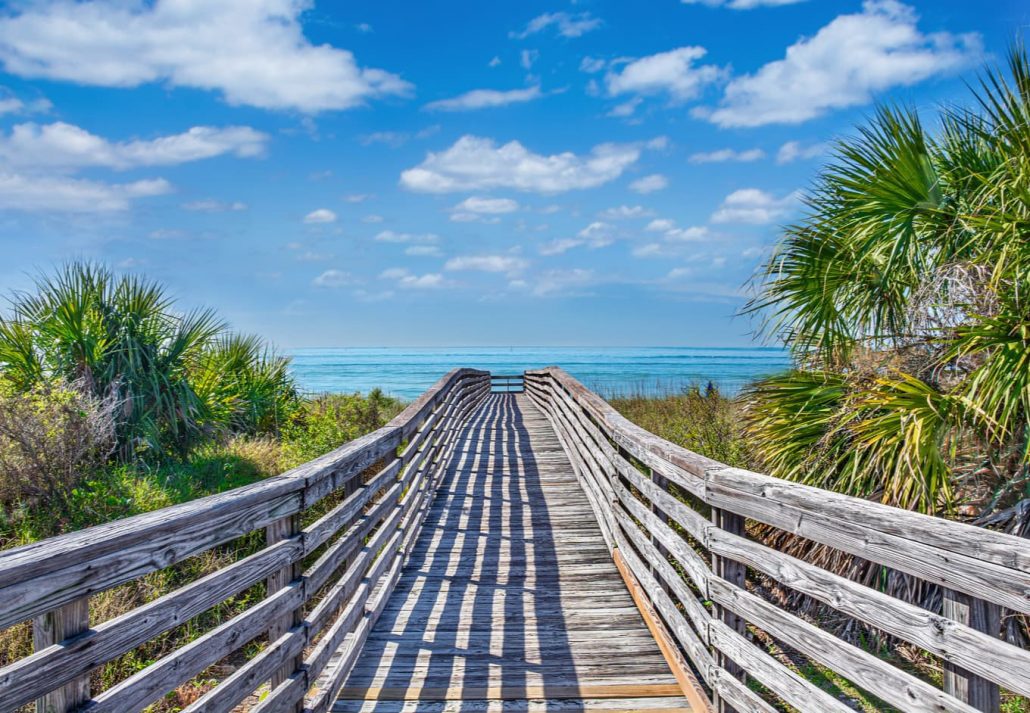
x: 485, y: 99
x: 796, y: 151
x: 405, y: 279
x: 563, y: 282
x: 625, y: 212
x: 494, y: 62
x: 372, y: 218
x: 528, y: 57
x: 213, y: 206
x: 672, y: 73
x: 591, y: 65
x: 487, y: 263
x: 649, y: 184
x: 394, y: 139
x: 130, y: 263
x: 660, y: 225
x: 363, y: 27
x: 568, y: 25
x: 422, y: 251
x: 333, y: 279
x: 724, y: 155
x: 627, y: 108
x: 389, y: 236
x: 321, y: 215
x: 475, y: 204
x: 754, y: 206
x: 357, y: 197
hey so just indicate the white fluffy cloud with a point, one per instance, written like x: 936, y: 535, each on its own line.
x: 320, y: 215
x: 475, y: 208
x: 568, y: 25
x: 252, y: 51
x: 61, y: 146
x: 724, y: 155
x: 72, y: 195
x: 485, y: 98
x: 487, y: 263
x: 751, y: 205
x: 476, y: 163
x: 844, y: 64
x: 649, y: 184
x: 672, y: 73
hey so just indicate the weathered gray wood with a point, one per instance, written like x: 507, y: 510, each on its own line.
x: 24, y: 680
x: 953, y: 641
x: 865, y: 670
x: 735, y: 573
x: 52, y: 628
x: 276, y: 532
x: 980, y: 693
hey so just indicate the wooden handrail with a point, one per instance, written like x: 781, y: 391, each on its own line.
x: 358, y: 546
x: 696, y: 566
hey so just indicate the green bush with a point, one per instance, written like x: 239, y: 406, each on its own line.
x: 331, y: 420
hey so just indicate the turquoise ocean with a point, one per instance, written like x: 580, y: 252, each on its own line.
x: 406, y: 372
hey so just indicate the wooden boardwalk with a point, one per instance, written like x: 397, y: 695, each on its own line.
x: 510, y: 599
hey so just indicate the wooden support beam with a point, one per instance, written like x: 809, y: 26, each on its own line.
x: 51, y: 628
x: 736, y: 573
x: 983, y: 616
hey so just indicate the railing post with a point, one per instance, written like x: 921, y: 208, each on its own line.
x: 734, y: 573
x: 982, y: 616
x: 52, y: 628
x: 278, y: 531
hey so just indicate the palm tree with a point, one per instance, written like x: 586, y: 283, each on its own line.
x: 902, y: 295
x: 174, y: 373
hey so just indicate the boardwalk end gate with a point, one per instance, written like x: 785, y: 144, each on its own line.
x: 349, y: 540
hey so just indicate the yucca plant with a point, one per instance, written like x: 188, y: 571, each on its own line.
x: 902, y: 296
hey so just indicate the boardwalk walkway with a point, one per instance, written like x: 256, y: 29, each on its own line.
x: 509, y: 593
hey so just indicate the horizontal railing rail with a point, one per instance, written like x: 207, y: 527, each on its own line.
x: 506, y: 383
x: 677, y: 521
x: 328, y: 567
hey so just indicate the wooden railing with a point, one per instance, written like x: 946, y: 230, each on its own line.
x: 326, y: 581
x: 677, y: 522
x: 506, y: 383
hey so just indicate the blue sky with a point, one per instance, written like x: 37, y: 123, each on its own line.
x: 460, y: 173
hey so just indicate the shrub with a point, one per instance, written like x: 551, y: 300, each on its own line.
x: 51, y: 438
x: 331, y: 420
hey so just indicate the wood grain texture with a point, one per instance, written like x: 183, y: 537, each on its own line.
x: 509, y: 588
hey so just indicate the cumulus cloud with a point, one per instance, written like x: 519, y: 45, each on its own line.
x: 72, y: 195
x: 797, y: 151
x: 673, y: 73
x: 649, y: 184
x: 61, y: 146
x: 751, y: 205
x: 320, y: 215
x: 477, y: 163
x: 724, y: 155
x: 567, y: 24
x: 846, y: 63
x: 487, y: 263
x: 253, y: 52
x: 485, y: 98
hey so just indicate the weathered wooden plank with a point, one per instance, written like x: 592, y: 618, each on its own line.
x: 973, y: 650
x: 52, y: 628
x: 979, y: 692
x: 863, y: 669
